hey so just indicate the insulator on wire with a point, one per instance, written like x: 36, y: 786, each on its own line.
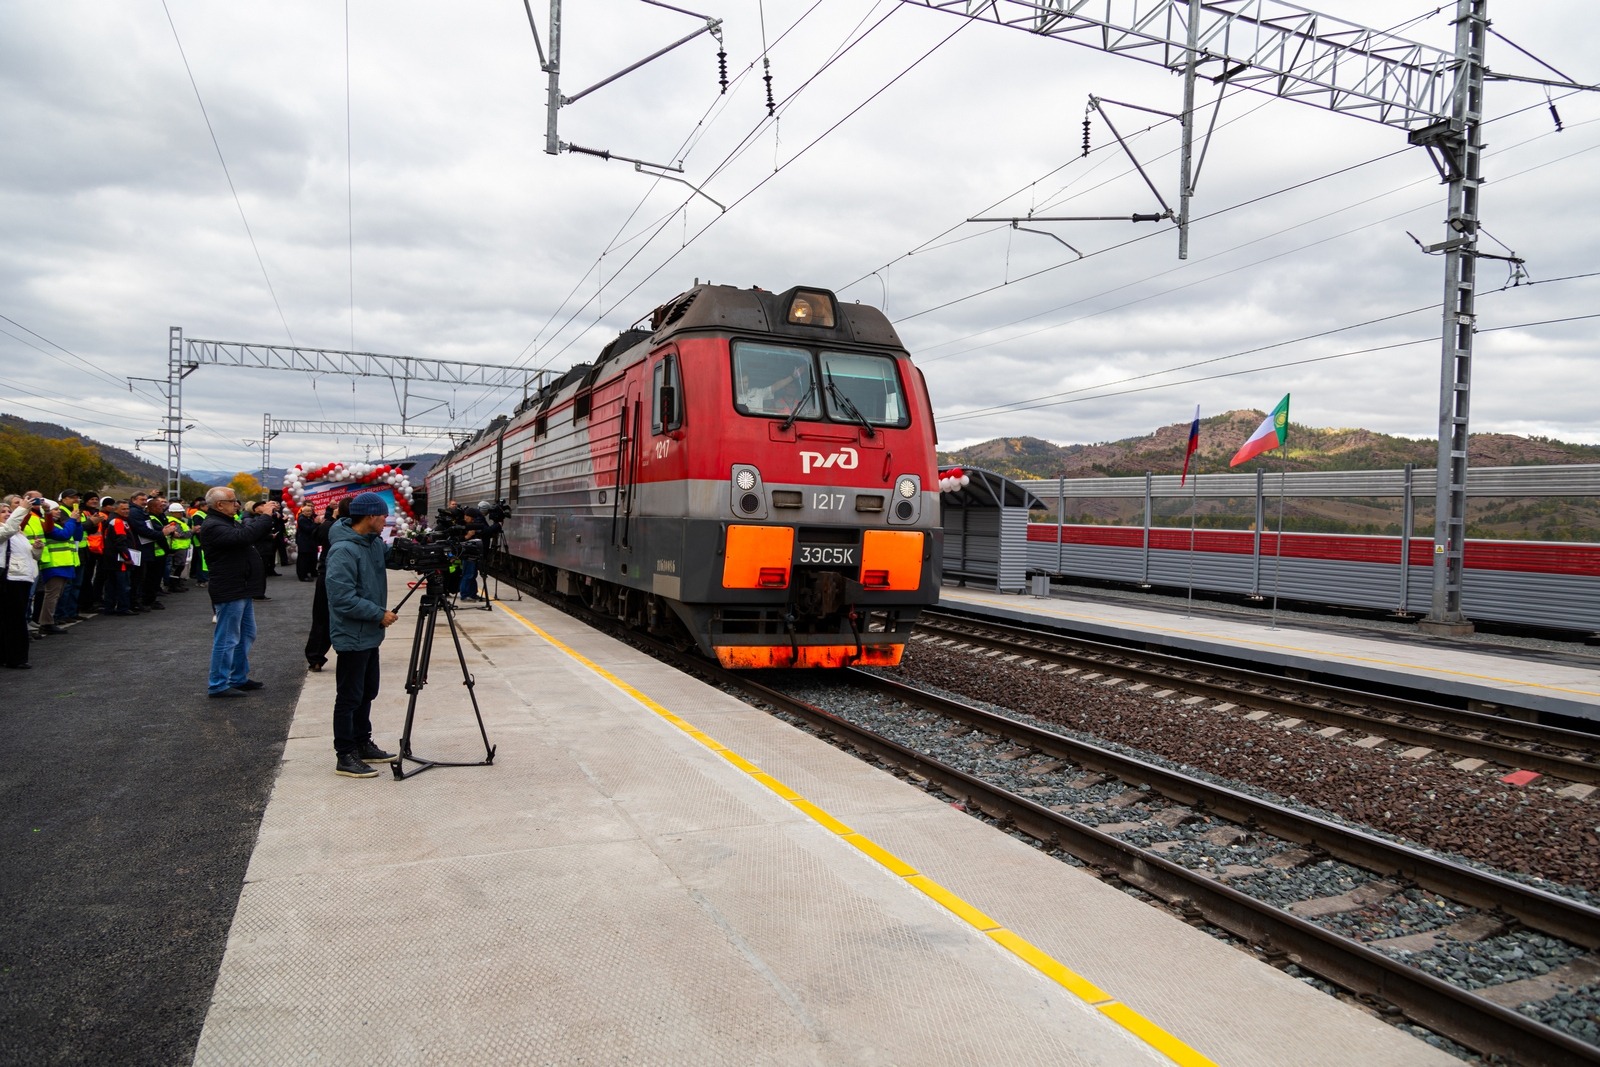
x: 1555, y: 115
x: 1086, y: 135
x: 722, y: 69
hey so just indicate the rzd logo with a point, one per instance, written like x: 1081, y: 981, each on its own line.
x: 845, y: 459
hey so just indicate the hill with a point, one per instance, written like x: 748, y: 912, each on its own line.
x: 1310, y: 449
x: 133, y: 469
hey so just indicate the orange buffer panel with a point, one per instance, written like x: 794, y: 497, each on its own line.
x: 757, y: 557
x: 740, y: 657
x: 891, y: 559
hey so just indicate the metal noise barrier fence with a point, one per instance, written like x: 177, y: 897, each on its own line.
x: 1538, y: 583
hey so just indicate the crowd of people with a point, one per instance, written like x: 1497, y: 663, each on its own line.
x: 67, y: 559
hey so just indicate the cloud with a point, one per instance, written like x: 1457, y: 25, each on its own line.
x: 460, y: 238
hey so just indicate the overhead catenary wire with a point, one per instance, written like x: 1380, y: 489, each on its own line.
x: 1203, y: 218
x: 734, y: 153
x: 262, y: 263
x: 718, y: 106
x: 959, y: 417
x: 120, y: 383
x: 1000, y: 409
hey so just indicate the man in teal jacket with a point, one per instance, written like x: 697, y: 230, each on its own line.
x: 358, y: 590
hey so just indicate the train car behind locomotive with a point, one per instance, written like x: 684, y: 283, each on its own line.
x: 755, y: 468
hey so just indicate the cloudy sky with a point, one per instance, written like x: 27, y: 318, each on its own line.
x: 419, y: 214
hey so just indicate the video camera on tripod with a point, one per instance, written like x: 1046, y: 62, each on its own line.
x: 437, y: 548
x: 431, y: 554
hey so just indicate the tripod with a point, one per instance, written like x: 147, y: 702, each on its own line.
x: 486, y: 573
x: 434, y: 600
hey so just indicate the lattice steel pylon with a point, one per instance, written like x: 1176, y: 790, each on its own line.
x: 1284, y: 50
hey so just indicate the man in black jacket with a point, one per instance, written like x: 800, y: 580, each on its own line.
x: 236, y: 575
x: 142, y: 534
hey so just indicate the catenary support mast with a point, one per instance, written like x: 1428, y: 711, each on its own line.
x: 1284, y: 50
x: 1458, y: 143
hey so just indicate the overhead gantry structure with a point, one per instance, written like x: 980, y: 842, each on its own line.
x: 185, y: 355
x: 1284, y: 50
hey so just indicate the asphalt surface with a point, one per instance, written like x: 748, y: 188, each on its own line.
x: 129, y: 806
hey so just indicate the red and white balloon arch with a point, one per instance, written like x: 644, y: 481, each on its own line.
x: 359, y: 477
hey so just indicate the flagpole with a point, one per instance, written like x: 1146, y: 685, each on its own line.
x: 1194, y: 497
x: 1277, y: 563
x: 1194, y: 501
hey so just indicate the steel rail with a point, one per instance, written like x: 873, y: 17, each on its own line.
x: 1563, y: 917
x: 1451, y: 1010
x: 1566, y: 767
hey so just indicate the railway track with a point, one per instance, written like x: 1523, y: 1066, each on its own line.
x: 1570, y: 755
x: 1280, y: 934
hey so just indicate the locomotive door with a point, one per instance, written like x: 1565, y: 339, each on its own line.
x: 628, y: 444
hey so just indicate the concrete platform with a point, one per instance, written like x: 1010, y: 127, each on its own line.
x: 653, y: 872
x: 1504, y: 678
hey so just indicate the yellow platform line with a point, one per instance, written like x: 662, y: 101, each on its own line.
x: 1351, y: 657
x: 1024, y: 950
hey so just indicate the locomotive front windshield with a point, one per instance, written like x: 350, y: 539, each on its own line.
x: 783, y: 381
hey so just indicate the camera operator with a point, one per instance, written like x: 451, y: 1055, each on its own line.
x: 358, y: 590
x: 482, y: 527
x: 473, y: 525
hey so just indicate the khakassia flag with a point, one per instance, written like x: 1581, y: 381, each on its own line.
x: 1272, y: 433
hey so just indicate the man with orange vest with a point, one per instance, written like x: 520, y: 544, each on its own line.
x: 114, y: 557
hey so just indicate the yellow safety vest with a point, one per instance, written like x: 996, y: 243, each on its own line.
x: 179, y: 541
x: 55, y: 553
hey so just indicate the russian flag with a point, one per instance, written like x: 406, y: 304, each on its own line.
x: 1194, y: 444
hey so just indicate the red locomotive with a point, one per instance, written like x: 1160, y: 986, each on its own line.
x: 756, y: 469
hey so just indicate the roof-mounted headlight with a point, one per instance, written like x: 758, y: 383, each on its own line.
x: 808, y: 308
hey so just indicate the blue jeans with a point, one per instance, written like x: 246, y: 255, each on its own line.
x: 230, y: 644
x: 68, y: 608
x: 469, y: 577
x: 117, y: 597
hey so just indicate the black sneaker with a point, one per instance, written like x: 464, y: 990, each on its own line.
x: 226, y: 693
x: 52, y: 629
x: 371, y: 753
x: 350, y: 765
x: 156, y: 605
x: 249, y: 684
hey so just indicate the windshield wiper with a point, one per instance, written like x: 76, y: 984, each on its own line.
x: 849, y: 408
x: 811, y: 389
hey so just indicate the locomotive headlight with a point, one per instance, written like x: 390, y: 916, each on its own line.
x: 748, y: 496
x: 809, y: 308
x: 907, y: 501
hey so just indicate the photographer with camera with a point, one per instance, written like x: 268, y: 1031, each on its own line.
x: 236, y: 578
x: 473, y: 526
x: 482, y: 527
x: 358, y: 590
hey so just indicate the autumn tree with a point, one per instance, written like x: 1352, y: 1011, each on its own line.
x: 29, y: 461
x: 246, y: 487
